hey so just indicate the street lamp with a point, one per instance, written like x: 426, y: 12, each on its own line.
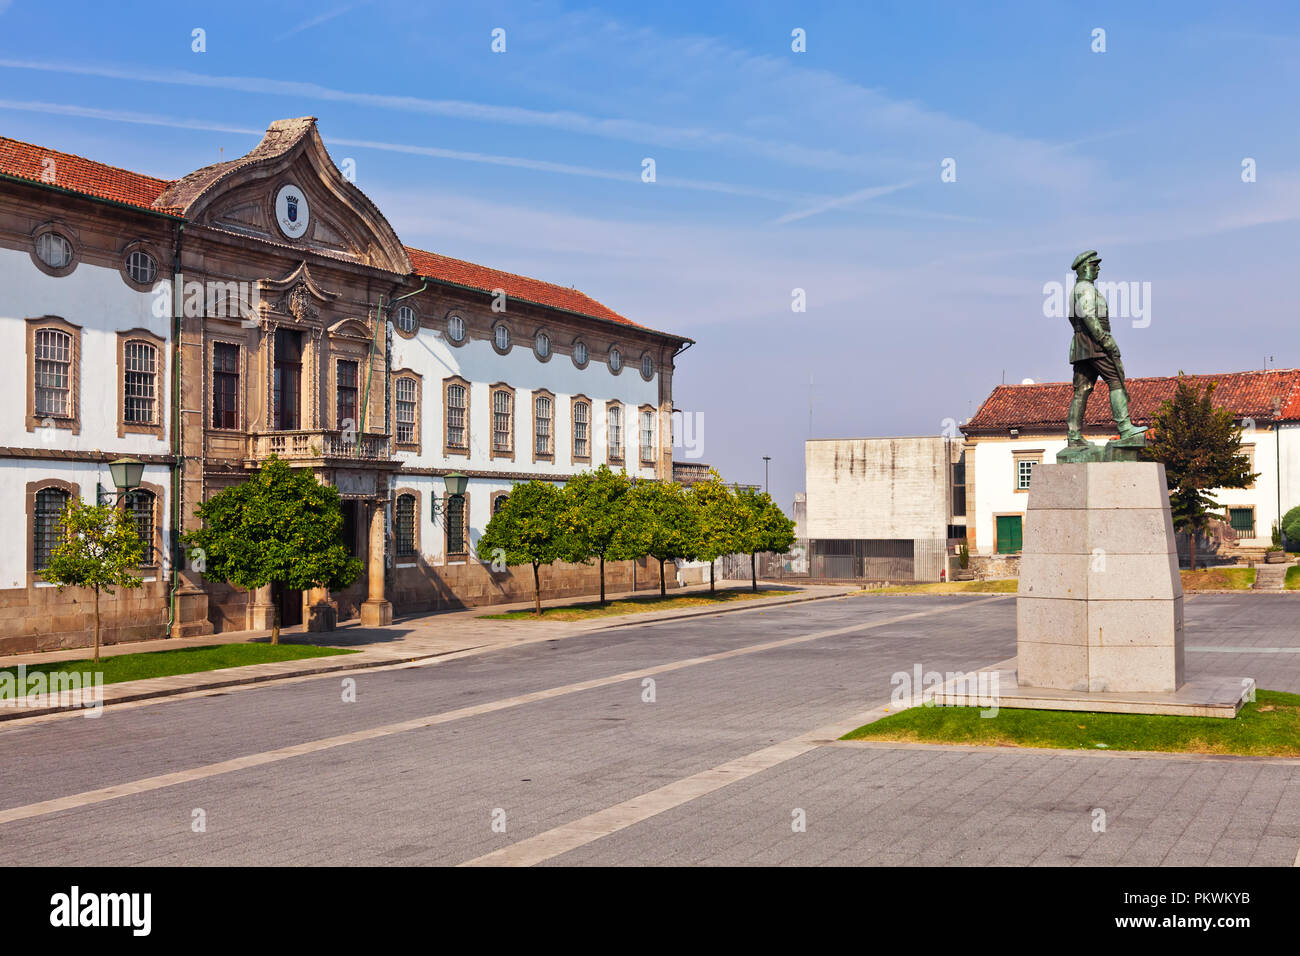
x: 766, y: 459
x: 126, y: 474
x: 456, y: 484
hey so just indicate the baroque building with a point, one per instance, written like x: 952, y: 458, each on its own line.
x: 263, y: 306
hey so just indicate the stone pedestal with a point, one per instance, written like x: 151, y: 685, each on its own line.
x: 261, y: 609
x: 322, y: 615
x: 1100, y: 605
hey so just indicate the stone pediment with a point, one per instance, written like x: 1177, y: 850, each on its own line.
x: 296, y: 297
x: 288, y: 191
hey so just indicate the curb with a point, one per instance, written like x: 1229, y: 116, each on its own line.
x: 740, y: 606
x: 14, y: 712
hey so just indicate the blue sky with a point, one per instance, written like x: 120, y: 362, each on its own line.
x: 776, y: 170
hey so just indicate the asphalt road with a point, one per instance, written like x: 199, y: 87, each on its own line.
x: 528, y: 749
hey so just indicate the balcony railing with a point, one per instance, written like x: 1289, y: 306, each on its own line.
x: 317, y: 444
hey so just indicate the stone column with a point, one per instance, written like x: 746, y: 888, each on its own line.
x: 376, y: 611
x: 262, y: 609
x: 322, y: 615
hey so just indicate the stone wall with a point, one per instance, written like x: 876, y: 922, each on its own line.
x: 993, y: 567
x: 42, y: 619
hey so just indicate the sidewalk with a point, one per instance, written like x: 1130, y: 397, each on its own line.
x: 408, y: 639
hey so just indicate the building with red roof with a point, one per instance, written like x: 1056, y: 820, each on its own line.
x: 264, y: 305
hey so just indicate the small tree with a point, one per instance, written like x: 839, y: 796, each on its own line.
x: 719, y: 523
x: 99, y: 549
x: 1200, y: 447
x: 660, y: 517
x: 765, y: 528
x: 280, y: 527
x: 527, y: 530
x: 594, y: 519
x: 1291, y: 529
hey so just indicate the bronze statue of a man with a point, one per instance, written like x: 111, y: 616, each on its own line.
x: 1093, y: 353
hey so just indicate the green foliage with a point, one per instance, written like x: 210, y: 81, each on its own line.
x: 528, y: 528
x: 963, y: 556
x: 659, y: 516
x: 719, y: 525
x: 594, y: 517
x: 1291, y: 528
x: 100, y: 549
x: 764, y: 525
x: 281, y: 526
x: 1200, y: 447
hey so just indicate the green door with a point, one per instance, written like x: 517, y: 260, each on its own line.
x: 1010, y: 535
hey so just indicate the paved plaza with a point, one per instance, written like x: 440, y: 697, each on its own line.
x: 681, y: 742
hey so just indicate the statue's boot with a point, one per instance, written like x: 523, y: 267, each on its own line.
x: 1119, y: 409
x: 1074, y: 433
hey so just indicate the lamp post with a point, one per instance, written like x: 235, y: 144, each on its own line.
x: 126, y: 474
x: 766, y: 459
x: 456, y: 484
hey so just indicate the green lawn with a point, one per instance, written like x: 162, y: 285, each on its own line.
x: 635, y: 605
x: 181, y: 661
x: 1218, y: 579
x: 1000, y: 586
x: 1293, y: 578
x: 1268, y: 727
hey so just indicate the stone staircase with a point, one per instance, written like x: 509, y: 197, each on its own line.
x: 1270, y: 577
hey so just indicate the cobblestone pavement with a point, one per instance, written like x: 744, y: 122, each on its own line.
x: 540, y: 737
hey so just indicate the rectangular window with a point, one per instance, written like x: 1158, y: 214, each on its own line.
x: 647, y: 435
x: 1024, y: 472
x: 345, y: 406
x: 455, y: 524
x: 581, y: 416
x: 456, y: 437
x: 502, y: 412
x: 614, y: 417
x: 53, y: 373
x: 287, y: 379
x: 140, y: 505
x: 141, y: 384
x: 405, y: 411
x: 1242, y: 521
x: 48, y: 527
x: 542, y: 419
x: 225, y: 385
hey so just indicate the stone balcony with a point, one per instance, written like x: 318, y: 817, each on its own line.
x: 319, y: 447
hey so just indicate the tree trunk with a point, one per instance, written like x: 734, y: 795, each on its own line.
x: 96, y: 624
x: 602, y: 580
x: 275, y: 614
x: 753, y: 572
x: 537, y: 591
x: 1191, y: 549
x: 711, y: 565
x: 663, y: 591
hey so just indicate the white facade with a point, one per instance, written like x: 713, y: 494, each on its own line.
x: 993, y: 470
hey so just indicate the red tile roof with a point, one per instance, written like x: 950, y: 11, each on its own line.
x: 474, y: 276
x: 1046, y: 405
x: 51, y: 167
x: 27, y: 161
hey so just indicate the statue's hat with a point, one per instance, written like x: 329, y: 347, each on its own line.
x: 1083, y: 257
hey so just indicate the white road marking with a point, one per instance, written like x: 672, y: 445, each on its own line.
x: 176, y: 778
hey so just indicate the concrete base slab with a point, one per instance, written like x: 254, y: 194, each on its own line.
x: 1200, y: 697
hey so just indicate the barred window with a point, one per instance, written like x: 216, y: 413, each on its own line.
x: 141, y: 267
x: 141, y: 505
x: 48, y: 527
x: 225, y: 385
x: 614, y: 421
x: 404, y: 525
x: 581, y: 421
x: 542, y: 412
x: 140, y: 388
x: 53, y: 373
x: 405, y: 411
x: 647, y: 435
x: 455, y: 524
x: 502, y: 426
x: 456, y: 437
